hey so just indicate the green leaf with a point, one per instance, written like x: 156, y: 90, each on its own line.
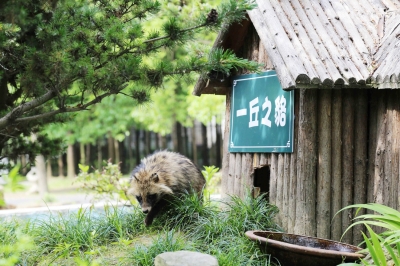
x: 83, y: 168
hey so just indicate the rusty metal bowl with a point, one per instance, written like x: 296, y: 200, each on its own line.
x: 292, y: 249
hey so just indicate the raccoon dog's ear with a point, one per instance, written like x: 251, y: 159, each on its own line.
x: 154, y: 178
x: 135, y: 178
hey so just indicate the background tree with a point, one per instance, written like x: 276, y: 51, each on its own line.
x: 60, y: 57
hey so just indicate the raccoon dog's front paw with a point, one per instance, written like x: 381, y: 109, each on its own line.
x: 148, y: 220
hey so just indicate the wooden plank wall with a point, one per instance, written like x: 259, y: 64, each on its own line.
x: 346, y: 152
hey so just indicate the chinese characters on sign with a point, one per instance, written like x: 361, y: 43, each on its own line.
x: 261, y: 115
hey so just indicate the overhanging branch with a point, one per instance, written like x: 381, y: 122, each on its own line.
x: 63, y: 110
x: 25, y: 107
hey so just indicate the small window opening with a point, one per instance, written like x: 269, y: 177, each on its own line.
x: 261, y: 180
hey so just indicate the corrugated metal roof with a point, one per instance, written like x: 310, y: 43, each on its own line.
x: 331, y: 43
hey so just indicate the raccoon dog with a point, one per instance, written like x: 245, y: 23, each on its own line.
x: 160, y: 176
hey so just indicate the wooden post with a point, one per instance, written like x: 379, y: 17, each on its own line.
x: 273, y: 179
x: 293, y: 169
x: 279, y: 190
x: 336, y: 195
x: 348, y: 162
x: 226, y: 155
x: 372, y: 143
x: 247, y: 177
x: 324, y: 164
x: 237, y: 189
x: 379, y: 172
x: 231, y: 174
x: 285, y: 192
x: 396, y: 151
x: 306, y: 164
x: 360, y: 157
x: 387, y: 181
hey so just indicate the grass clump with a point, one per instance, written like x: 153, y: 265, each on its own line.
x: 117, y: 236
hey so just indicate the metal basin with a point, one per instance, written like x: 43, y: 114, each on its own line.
x: 292, y: 249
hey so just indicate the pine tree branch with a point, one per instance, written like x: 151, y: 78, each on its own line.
x: 64, y: 110
x: 25, y: 107
x: 181, y: 31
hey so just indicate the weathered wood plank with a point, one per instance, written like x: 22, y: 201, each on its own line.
x: 396, y: 152
x: 360, y: 157
x: 324, y: 164
x: 231, y: 174
x: 238, y: 175
x: 372, y: 143
x: 285, y: 192
x: 348, y: 161
x: 387, y: 181
x: 395, y: 146
x: 293, y: 169
x: 273, y: 179
x: 264, y: 159
x: 225, y: 153
x: 379, y: 171
x: 306, y: 164
x: 279, y: 190
x: 336, y: 203
x: 247, y: 178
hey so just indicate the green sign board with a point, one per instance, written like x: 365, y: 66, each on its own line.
x: 262, y: 114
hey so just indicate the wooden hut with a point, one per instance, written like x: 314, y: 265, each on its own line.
x: 342, y: 60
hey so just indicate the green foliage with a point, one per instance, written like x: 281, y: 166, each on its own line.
x: 213, y: 179
x: 166, y: 242
x: 14, y: 241
x: 192, y: 223
x: 10, y: 254
x: 106, y: 182
x: 381, y: 247
x: 61, y: 57
x: 13, y: 180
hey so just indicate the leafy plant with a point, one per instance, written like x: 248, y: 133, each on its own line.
x: 381, y: 247
x: 10, y: 254
x: 212, y: 179
x: 106, y: 182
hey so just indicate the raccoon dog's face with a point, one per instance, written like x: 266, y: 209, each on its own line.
x: 148, y: 189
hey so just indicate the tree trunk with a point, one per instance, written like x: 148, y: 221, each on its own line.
x: 130, y: 152
x: 185, y: 142
x: 116, y: 150
x: 204, y: 150
x: 82, y: 154
x: 147, y: 142
x: 70, y: 161
x: 163, y: 141
x: 60, y: 166
x: 87, y: 155
x: 218, y: 146
x: 137, y: 148
x: 41, y: 174
x: 111, y: 150
x: 48, y: 168
x: 99, y: 154
x: 194, y: 144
